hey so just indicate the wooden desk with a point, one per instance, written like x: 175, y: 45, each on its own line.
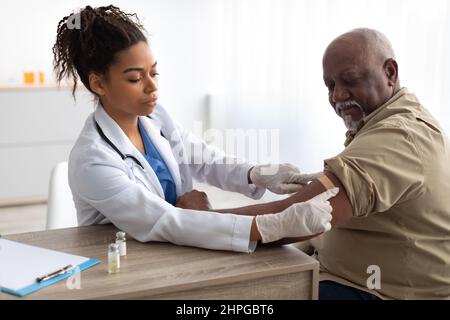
x: 165, y: 271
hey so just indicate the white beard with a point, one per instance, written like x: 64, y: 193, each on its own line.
x: 351, y: 124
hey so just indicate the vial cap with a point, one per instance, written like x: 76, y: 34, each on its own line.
x: 113, y: 246
x: 120, y: 235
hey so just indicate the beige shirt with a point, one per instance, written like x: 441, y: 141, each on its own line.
x: 396, y: 171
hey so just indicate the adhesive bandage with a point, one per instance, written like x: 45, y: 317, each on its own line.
x: 326, y: 182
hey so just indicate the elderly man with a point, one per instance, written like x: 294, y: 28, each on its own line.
x: 391, y: 218
x: 395, y: 171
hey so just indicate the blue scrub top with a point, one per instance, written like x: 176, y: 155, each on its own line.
x: 159, y: 167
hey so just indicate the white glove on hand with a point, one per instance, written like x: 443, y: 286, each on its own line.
x: 307, y: 177
x: 299, y: 220
x: 280, y: 178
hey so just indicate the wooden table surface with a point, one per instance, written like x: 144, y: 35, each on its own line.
x: 165, y: 271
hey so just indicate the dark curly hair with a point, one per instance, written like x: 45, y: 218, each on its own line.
x: 92, y: 46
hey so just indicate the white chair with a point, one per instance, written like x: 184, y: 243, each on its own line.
x: 61, y: 212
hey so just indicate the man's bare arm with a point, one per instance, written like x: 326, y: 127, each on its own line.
x: 342, y: 209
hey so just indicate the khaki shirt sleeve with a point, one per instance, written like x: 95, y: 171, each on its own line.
x: 380, y: 168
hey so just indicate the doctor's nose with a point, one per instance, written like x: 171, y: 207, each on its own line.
x: 151, y: 84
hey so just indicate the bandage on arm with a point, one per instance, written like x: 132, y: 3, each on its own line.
x: 326, y: 182
x: 342, y: 209
x: 307, y: 192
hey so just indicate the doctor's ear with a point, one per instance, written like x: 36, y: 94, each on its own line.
x: 97, y: 83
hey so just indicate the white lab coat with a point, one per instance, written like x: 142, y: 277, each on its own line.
x: 107, y: 189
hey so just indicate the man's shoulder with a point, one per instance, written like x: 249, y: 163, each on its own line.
x: 410, y: 119
x: 408, y: 113
x: 386, y: 130
x: 394, y: 134
x: 417, y: 128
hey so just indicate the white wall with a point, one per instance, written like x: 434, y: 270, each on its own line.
x: 37, y: 130
x: 38, y: 127
x: 273, y: 60
x: 181, y: 33
x: 261, y: 59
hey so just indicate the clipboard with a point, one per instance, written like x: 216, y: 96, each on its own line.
x: 22, y: 264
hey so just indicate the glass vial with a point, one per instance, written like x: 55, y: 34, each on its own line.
x: 113, y: 258
x: 122, y: 242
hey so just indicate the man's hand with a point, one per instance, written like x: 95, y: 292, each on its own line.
x: 280, y: 178
x: 299, y: 220
x: 195, y: 200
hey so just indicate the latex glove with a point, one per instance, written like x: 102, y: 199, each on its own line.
x: 278, y: 178
x: 299, y: 220
x: 307, y: 177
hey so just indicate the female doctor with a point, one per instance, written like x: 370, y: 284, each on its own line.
x: 131, y: 161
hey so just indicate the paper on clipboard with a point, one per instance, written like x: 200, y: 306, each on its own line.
x: 21, y: 264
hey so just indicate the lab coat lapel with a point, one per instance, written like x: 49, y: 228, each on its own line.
x: 153, y: 128
x: 115, y: 134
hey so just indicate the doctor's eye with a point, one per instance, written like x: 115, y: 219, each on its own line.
x: 154, y: 74
x: 135, y: 80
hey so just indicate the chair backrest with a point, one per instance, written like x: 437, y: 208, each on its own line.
x: 61, y: 212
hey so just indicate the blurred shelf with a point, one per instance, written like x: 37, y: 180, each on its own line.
x: 23, y: 201
x: 23, y: 87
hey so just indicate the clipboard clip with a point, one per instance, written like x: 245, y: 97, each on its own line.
x: 55, y: 273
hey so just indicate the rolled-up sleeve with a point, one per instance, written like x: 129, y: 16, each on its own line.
x: 379, y: 168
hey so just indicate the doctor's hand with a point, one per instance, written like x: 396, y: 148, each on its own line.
x: 280, y: 178
x: 299, y: 220
x: 195, y: 200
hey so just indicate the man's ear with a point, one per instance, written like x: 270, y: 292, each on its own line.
x: 97, y: 83
x: 391, y: 70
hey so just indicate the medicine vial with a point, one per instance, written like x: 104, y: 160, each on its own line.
x: 113, y: 258
x: 122, y: 242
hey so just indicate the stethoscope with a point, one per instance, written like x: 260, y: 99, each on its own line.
x: 112, y: 145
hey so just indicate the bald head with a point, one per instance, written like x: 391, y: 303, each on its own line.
x: 366, y: 43
x: 361, y: 74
